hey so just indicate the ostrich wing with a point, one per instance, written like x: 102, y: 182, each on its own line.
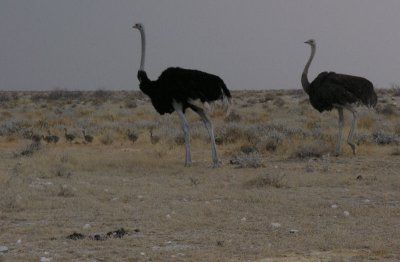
x: 360, y: 87
x: 330, y: 88
x: 193, y: 84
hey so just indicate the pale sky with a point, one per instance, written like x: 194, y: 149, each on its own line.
x: 253, y: 44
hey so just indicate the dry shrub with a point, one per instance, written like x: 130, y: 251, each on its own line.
x: 366, y: 122
x: 243, y: 160
x: 267, y: 97
x: 313, y: 124
x: 179, y: 139
x: 65, y: 191
x: 279, y: 102
x: 395, y: 90
x: 130, y: 104
x: 4, y: 97
x: 107, y: 138
x: 30, y: 149
x: 233, y: 117
x: 266, y: 180
x: 247, y: 149
x: 397, y: 129
x: 396, y: 151
x: 310, y: 150
x: 231, y: 133
x: 388, y: 110
x: 11, y: 201
x: 382, y: 138
x: 62, y: 171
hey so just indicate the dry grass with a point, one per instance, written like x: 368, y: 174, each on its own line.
x: 290, y: 200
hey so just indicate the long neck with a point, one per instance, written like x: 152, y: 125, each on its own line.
x: 304, y: 79
x: 142, y: 59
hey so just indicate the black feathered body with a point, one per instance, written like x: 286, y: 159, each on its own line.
x: 330, y: 89
x: 182, y: 85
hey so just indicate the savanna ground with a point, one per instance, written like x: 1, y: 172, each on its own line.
x: 280, y: 194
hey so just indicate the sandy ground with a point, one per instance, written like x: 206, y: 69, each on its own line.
x: 201, y: 214
x: 344, y: 208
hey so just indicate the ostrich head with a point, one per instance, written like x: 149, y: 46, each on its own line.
x: 138, y: 26
x: 311, y: 42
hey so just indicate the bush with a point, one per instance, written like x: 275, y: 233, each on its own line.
x: 266, y: 180
x: 62, y: 94
x: 382, y: 138
x: 388, y: 110
x: 107, y: 139
x: 230, y: 133
x: 310, y: 150
x: 243, y: 160
x: 233, y: 117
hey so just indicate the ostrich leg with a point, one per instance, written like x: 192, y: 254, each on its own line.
x: 186, y: 131
x: 353, y: 126
x: 340, y: 135
x: 207, y: 122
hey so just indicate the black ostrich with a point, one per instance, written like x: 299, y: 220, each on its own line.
x: 330, y: 90
x: 177, y: 89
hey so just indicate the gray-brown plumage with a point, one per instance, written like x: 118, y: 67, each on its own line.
x: 330, y: 90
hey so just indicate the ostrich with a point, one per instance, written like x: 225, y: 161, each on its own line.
x: 330, y: 90
x: 88, y: 138
x: 177, y: 89
x: 69, y: 137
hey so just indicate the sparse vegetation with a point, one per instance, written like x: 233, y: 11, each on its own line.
x: 276, y: 160
x: 383, y: 138
x: 242, y: 160
x: 310, y: 150
x: 266, y: 180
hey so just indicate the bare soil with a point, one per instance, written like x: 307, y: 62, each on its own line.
x: 326, y: 208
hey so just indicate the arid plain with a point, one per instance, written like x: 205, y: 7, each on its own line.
x: 280, y: 194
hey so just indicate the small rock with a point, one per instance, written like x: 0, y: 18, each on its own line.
x: 19, y: 241
x: 169, y: 216
x: 367, y: 201
x: 3, y: 249
x: 276, y: 225
x: 334, y: 206
x: 293, y: 231
x: 243, y: 219
x: 346, y: 213
x: 142, y: 253
x: 45, y: 259
x: 87, y: 226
